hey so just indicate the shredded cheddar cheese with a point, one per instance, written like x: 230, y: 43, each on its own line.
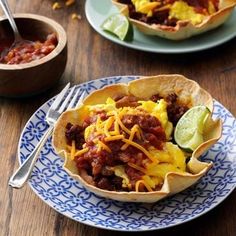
x: 72, y: 151
x: 137, y: 167
x: 148, y: 180
x: 108, y: 125
x: 117, y: 128
x: 155, y: 163
x: 142, y: 149
x: 69, y: 2
x: 113, y: 138
x: 145, y: 6
x: 177, y: 10
x: 122, y: 125
x: 144, y: 183
x: 99, y: 128
x: 104, y: 146
x: 75, y: 16
x: 131, y: 137
x: 56, y: 5
x: 80, y: 152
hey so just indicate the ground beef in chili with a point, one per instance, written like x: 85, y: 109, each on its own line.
x: 76, y: 133
x: 174, y: 108
x: 98, y: 164
x: 153, y: 133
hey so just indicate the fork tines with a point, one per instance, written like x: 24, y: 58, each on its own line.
x: 73, y: 99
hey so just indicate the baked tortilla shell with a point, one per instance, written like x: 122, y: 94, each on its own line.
x: 183, y: 29
x: 188, y: 91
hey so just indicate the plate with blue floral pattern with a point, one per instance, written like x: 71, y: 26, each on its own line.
x: 60, y: 191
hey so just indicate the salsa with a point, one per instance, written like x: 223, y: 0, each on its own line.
x: 28, y: 51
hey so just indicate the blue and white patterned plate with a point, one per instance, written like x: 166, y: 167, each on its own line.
x: 55, y: 187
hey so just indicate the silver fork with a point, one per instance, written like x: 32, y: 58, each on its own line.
x: 61, y: 103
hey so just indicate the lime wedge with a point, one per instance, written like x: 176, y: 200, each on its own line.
x: 189, y: 129
x: 120, y: 26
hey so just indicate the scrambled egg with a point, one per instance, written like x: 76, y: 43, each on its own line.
x: 211, y: 8
x: 145, y: 6
x: 120, y: 172
x: 110, y: 105
x: 158, y: 109
x: 170, y: 159
x: 89, y: 130
x: 172, y: 155
x: 182, y: 11
x: 179, y: 10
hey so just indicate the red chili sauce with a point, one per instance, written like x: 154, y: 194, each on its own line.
x: 27, y: 51
x: 95, y: 166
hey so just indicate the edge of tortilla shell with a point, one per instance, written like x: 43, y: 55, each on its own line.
x: 174, y: 182
x: 183, y: 29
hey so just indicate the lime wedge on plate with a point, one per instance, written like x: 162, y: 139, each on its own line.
x: 120, y: 26
x: 189, y: 129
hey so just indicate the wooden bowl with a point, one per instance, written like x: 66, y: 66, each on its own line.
x: 39, y: 75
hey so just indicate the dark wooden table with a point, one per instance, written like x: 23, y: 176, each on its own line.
x: 90, y: 57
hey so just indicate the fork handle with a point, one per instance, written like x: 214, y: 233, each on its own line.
x: 20, y: 177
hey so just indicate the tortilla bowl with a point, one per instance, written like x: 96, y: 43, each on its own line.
x: 184, y: 29
x: 188, y: 91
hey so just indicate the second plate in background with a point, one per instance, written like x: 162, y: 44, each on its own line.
x: 98, y: 11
